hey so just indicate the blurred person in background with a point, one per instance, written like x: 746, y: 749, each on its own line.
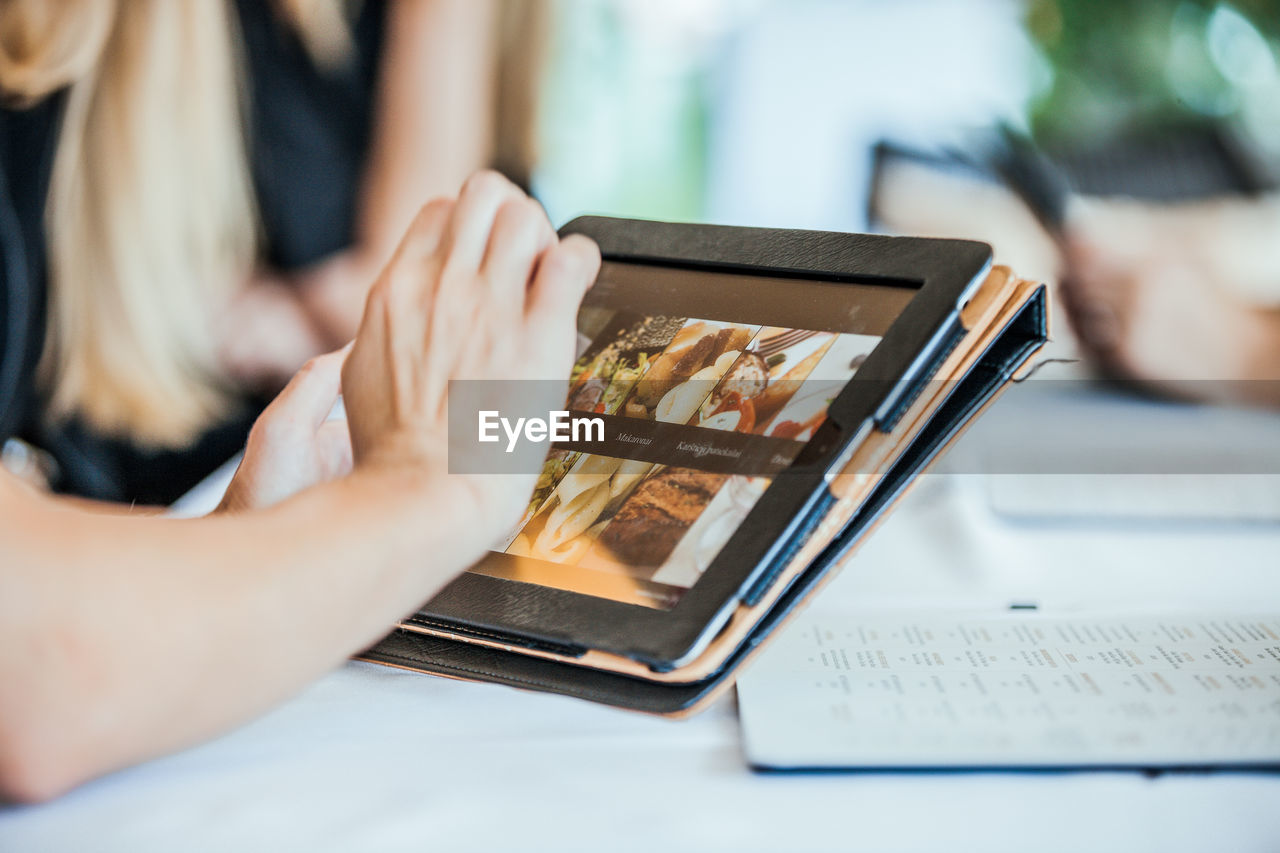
x: 1183, y: 299
x: 1171, y: 274
x: 1160, y: 121
x: 196, y: 195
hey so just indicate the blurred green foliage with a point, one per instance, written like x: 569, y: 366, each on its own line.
x: 1123, y: 65
x: 624, y: 112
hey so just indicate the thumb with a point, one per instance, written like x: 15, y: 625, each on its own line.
x: 313, y: 390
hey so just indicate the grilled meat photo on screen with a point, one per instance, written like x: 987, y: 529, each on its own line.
x: 650, y: 524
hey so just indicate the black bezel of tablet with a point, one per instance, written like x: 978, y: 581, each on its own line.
x: 944, y: 272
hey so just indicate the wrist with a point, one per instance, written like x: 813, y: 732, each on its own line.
x: 475, y: 509
x: 399, y: 449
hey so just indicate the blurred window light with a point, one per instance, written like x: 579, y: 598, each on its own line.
x: 624, y: 108
x: 808, y: 87
x: 696, y: 23
x: 1192, y: 74
x: 1238, y: 50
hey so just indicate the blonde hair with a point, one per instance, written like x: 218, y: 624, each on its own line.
x: 150, y: 219
x: 150, y: 215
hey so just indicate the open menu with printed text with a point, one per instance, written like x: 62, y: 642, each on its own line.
x: 911, y: 689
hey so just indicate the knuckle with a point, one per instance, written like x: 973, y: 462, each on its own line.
x: 422, y: 232
x: 390, y: 289
x: 533, y: 212
x: 561, y: 260
x: 583, y: 246
x: 512, y: 210
x: 453, y: 272
x: 376, y: 302
x: 267, y: 430
x: 430, y: 213
x: 520, y: 216
x: 437, y: 205
x: 486, y: 183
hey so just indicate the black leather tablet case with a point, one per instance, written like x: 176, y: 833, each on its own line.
x: 692, y: 245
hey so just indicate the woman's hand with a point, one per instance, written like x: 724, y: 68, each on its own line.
x: 480, y: 289
x: 293, y: 445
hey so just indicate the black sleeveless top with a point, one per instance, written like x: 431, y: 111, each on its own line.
x: 308, y: 135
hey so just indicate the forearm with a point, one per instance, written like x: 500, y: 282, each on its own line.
x: 121, y: 638
x: 127, y: 638
x: 434, y: 112
x: 433, y: 126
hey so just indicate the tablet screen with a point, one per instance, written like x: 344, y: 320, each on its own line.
x: 711, y: 384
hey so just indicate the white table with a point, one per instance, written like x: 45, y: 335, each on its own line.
x: 375, y: 759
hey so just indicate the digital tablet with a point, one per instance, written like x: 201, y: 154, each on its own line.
x: 725, y: 394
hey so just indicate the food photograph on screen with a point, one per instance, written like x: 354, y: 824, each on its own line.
x: 707, y: 403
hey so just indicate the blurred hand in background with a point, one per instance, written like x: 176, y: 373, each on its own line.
x: 1182, y: 298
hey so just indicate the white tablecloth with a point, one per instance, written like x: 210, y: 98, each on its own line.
x: 375, y: 759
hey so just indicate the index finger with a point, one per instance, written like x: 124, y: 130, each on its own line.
x: 467, y: 234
